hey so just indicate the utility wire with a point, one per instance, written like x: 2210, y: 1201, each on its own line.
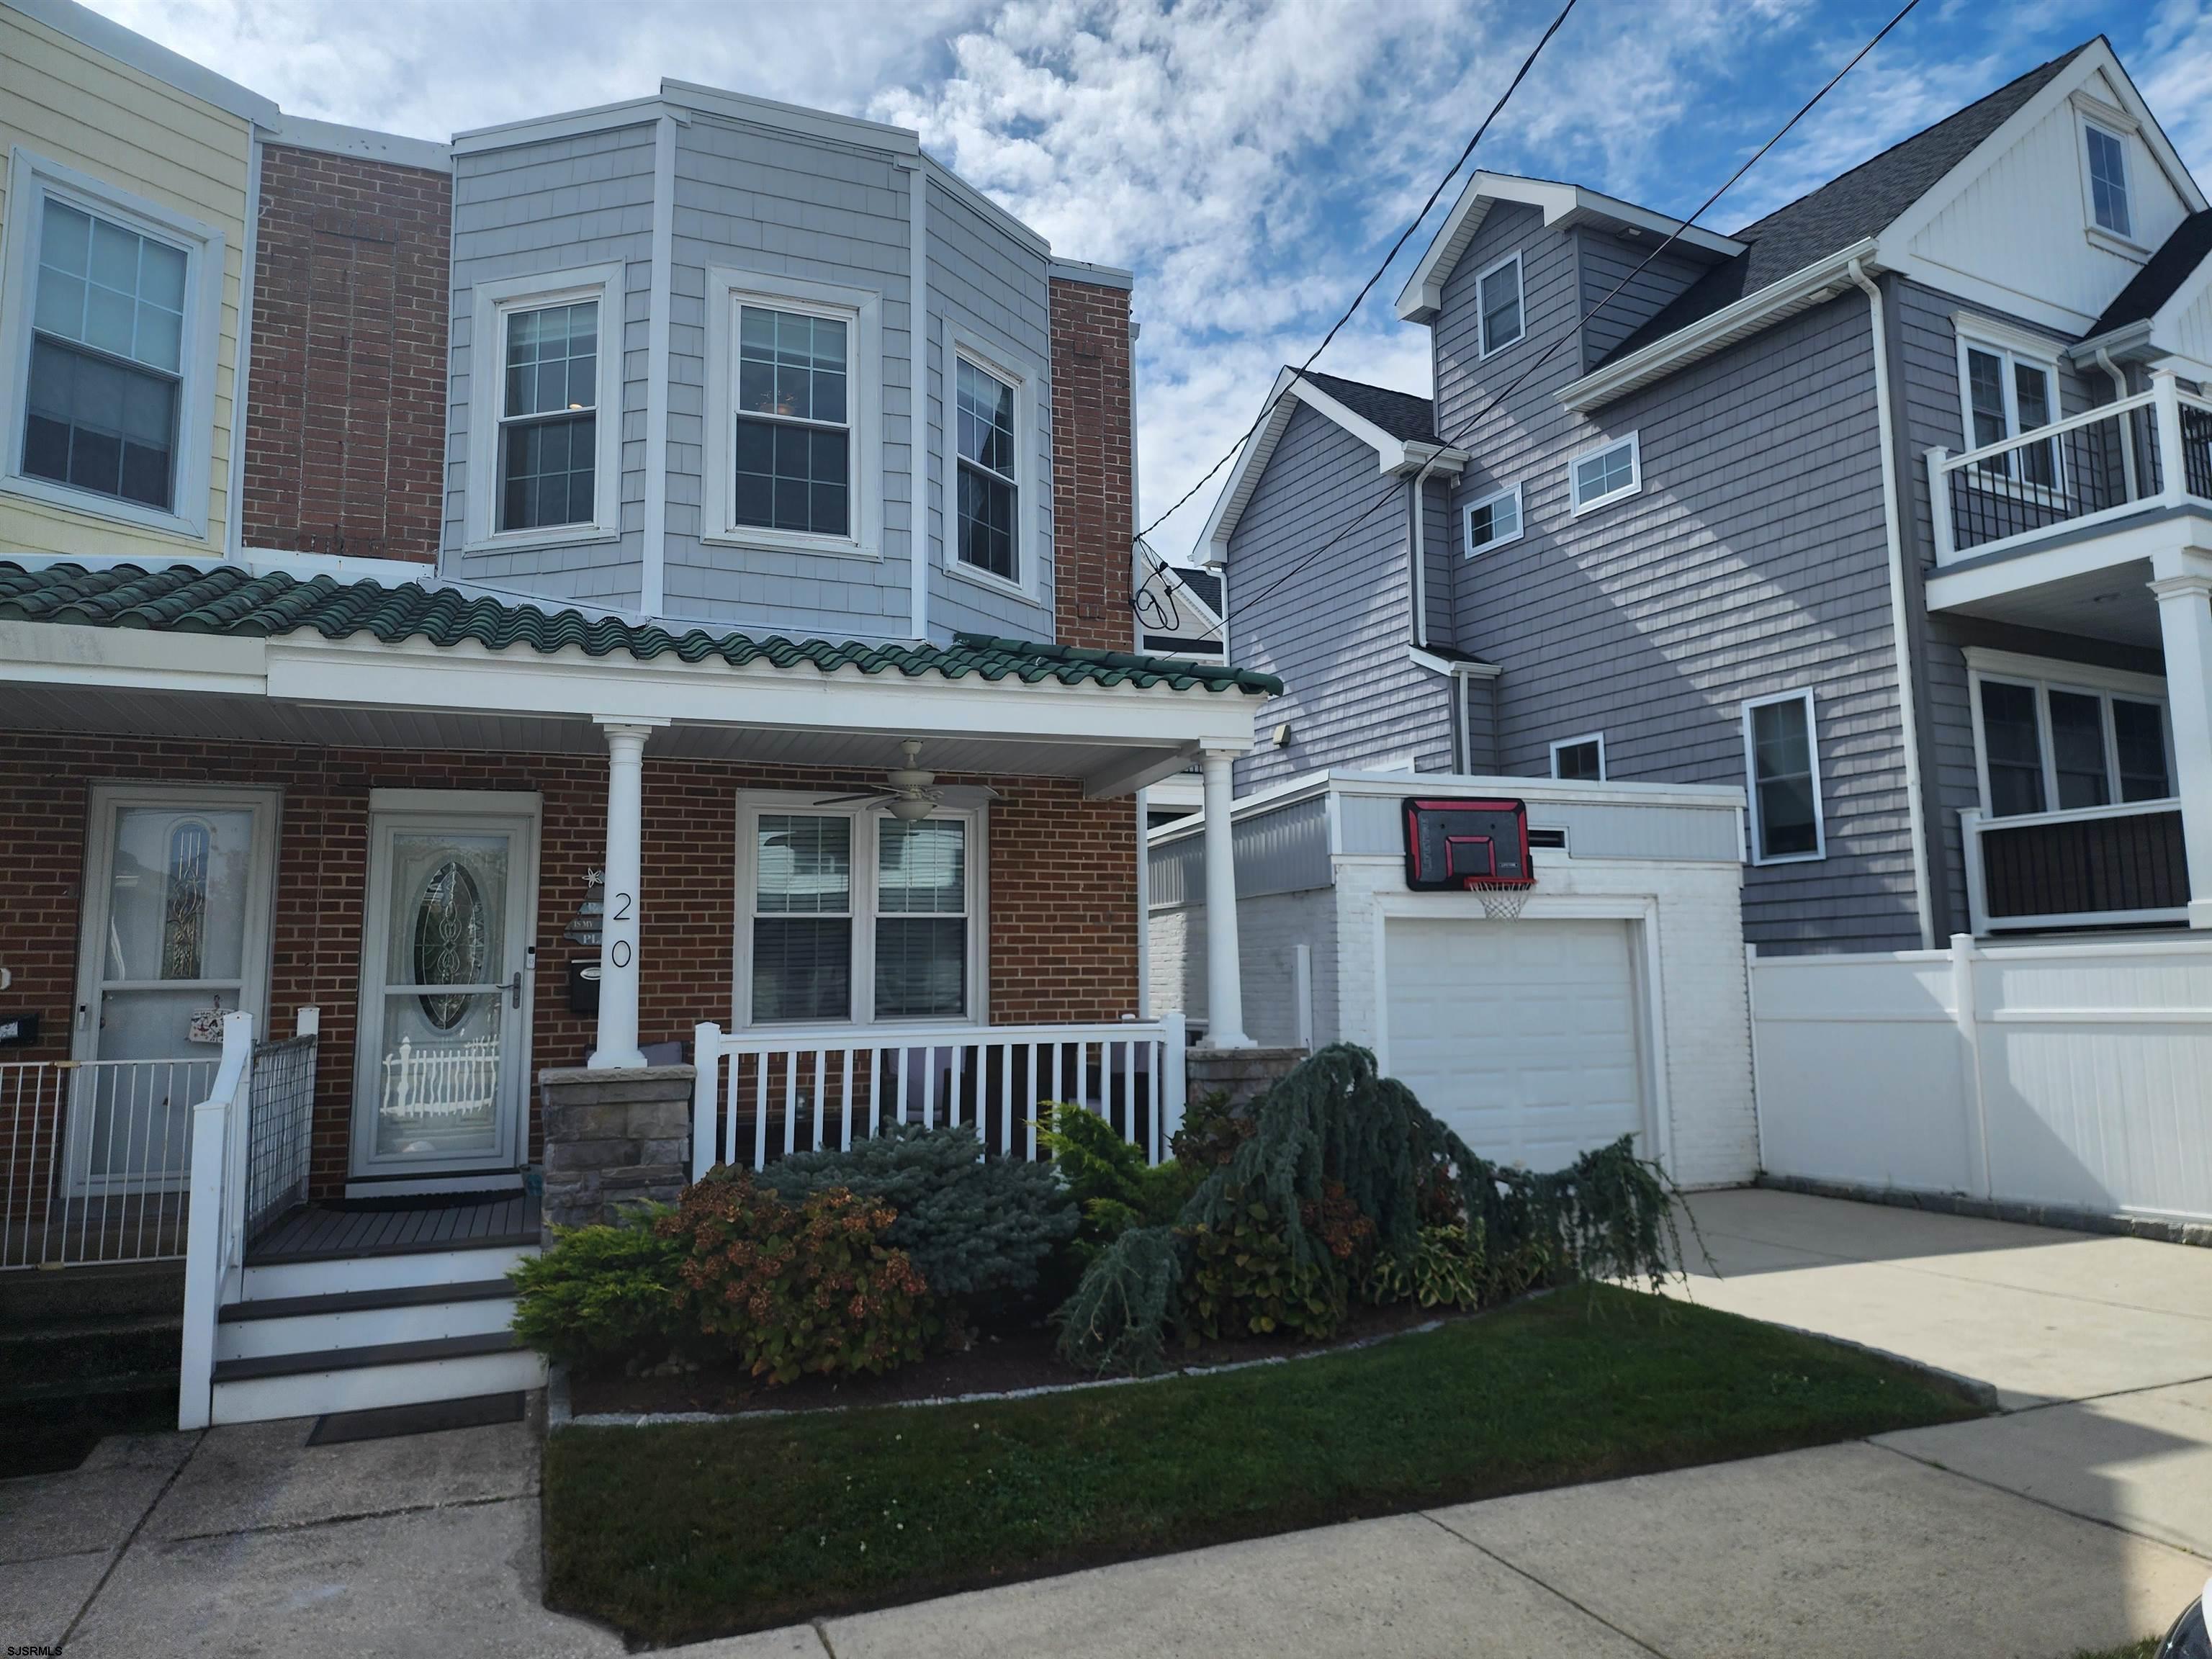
x: 1367, y: 287
x: 1391, y: 492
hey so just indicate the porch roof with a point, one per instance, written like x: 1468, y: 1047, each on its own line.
x: 224, y: 600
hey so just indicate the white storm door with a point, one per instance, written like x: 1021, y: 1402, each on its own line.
x: 175, y: 924
x: 444, y: 1056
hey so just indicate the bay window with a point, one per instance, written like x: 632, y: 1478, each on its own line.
x: 989, y: 539
x: 851, y: 916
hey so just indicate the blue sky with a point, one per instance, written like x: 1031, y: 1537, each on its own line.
x: 1251, y: 161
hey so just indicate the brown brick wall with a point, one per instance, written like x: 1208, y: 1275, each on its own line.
x: 1062, y: 876
x: 1093, y: 472
x: 346, y: 398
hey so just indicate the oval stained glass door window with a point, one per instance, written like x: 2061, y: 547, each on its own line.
x: 452, y: 941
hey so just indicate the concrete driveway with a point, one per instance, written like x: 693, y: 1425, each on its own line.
x: 2080, y: 1517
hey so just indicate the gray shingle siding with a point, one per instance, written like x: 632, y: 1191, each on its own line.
x: 1753, y: 561
x: 1607, y: 259
x: 1336, y: 631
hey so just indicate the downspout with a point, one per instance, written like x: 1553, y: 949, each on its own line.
x: 1899, y: 617
x: 242, y: 365
x: 653, y: 568
x: 2126, y: 424
x: 917, y: 371
x: 1421, y: 554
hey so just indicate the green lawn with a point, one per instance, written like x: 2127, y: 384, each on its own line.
x: 677, y: 1532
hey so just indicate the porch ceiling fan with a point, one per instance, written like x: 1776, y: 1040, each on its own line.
x: 913, y: 793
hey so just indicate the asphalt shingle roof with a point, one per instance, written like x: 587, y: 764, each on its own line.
x: 1849, y: 207
x: 1203, y: 583
x: 2165, y: 272
x: 1398, y: 413
x: 193, y: 599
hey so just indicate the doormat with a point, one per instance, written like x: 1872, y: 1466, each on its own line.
x: 387, y: 1422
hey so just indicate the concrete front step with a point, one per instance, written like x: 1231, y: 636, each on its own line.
x: 363, y: 1319
x: 397, y: 1374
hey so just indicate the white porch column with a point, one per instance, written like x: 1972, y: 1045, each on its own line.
x: 1224, y: 977
x: 2185, y: 618
x: 625, y: 897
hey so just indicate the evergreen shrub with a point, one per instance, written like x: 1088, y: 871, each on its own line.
x: 603, y: 1293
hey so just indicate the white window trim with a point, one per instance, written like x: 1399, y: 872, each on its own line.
x: 865, y: 815
x: 2010, y: 346
x: 1032, y: 507
x: 1520, y: 295
x: 2044, y: 675
x: 1634, y: 486
x: 491, y: 302
x: 861, y: 309
x: 1597, y: 738
x: 1466, y: 520
x: 1754, y: 830
x: 31, y: 179
x: 2090, y: 112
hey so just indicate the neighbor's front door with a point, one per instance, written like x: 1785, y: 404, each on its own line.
x: 444, y: 1051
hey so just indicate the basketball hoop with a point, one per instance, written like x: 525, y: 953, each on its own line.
x: 1502, y: 904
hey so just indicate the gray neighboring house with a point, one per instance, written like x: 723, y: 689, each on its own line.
x: 1688, y: 538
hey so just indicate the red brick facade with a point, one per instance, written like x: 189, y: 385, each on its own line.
x: 346, y: 399
x: 1062, y: 882
x: 1093, y: 474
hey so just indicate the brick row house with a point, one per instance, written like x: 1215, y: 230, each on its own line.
x: 496, y: 623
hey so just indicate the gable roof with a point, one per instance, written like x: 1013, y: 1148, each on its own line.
x: 1849, y: 209
x: 2160, y: 278
x: 224, y: 600
x: 1401, y: 414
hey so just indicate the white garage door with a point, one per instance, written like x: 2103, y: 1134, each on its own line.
x: 1523, y: 1036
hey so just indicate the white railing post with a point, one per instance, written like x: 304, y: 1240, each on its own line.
x: 706, y: 1095
x: 1174, y: 1079
x: 238, y: 1132
x: 1978, y: 892
x: 1967, y: 1012
x: 1939, y: 505
x: 2172, y: 460
x: 216, y: 1128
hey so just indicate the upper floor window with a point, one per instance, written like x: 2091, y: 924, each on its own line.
x: 791, y: 432
x: 1782, y: 763
x: 110, y: 343
x: 2050, y: 746
x: 1493, y: 520
x: 1580, y: 757
x: 2108, y: 181
x: 546, y: 432
x: 549, y: 417
x: 1498, y: 298
x: 989, y: 539
x: 1606, y: 474
x: 2009, y: 391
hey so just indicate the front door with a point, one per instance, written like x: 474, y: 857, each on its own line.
x: 445, y: 1038
x: 176, y: 935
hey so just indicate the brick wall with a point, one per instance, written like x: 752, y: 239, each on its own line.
x: 1093, y: 470
x: 346, y: 399
x: 1062, y: 877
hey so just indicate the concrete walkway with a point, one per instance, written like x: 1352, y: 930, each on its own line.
x: 2081, y: 1517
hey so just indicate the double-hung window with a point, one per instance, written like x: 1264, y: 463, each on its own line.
x: 1494, y: 519
x: 1782, y: 766
x: 2009, y: 393
x: 109, y: 330
x: 2049, y: 745
x: 2107, y: 161
x: 1607, y: 473
x: 1497, y: 300
x: 856, y: 916
x: 989, y: 536
x: 544, y: 423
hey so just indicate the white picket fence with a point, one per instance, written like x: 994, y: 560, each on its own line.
x: 2075, y: 1075
x: 765, y: 1095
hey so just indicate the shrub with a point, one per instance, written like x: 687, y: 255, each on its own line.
x: 972, y: 1225
x: 1245, y: 1281
x: 1212, y: 1131
x: 797, y: 1288
x: 1117, y: 1319
x: 602, y: 1293
x: 1108, y: 1180
x: 1446, y: 1268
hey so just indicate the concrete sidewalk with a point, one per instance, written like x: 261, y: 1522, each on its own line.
x: 2078, y: 1519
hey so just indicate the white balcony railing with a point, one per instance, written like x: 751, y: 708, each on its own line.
x: 2088, y: 867
x: 765, y: 1095
x: 2104, y: 464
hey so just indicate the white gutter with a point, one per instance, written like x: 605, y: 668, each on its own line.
x: 917, y: 347
x: 1899, y: 617
x: 652, y: 573
x: 242, y: 367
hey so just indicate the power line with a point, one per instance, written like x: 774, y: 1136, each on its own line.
x: 1368, y: 287
x: 1391, y: 492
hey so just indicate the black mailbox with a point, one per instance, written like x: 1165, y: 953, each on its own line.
x: 584, y: 985
x: 19, y: 1030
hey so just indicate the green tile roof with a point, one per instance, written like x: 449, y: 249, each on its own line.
x: 197, y: 599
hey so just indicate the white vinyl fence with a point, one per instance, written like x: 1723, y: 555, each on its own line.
x: 2077, y: 1075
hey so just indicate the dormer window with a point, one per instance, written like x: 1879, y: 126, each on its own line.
x: 2108, y: 181
x: 1497, y: 297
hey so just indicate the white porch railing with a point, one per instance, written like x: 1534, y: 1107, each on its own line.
x: 93, y: 1159
x: 2102, y: 465
x: 2089, y: 866
x: 764, y: 1095
x: 215, y: 1251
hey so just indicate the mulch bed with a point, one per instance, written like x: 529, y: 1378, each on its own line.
x: 996, y: 1362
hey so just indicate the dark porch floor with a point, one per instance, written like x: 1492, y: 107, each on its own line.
x: 386, y: 1227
